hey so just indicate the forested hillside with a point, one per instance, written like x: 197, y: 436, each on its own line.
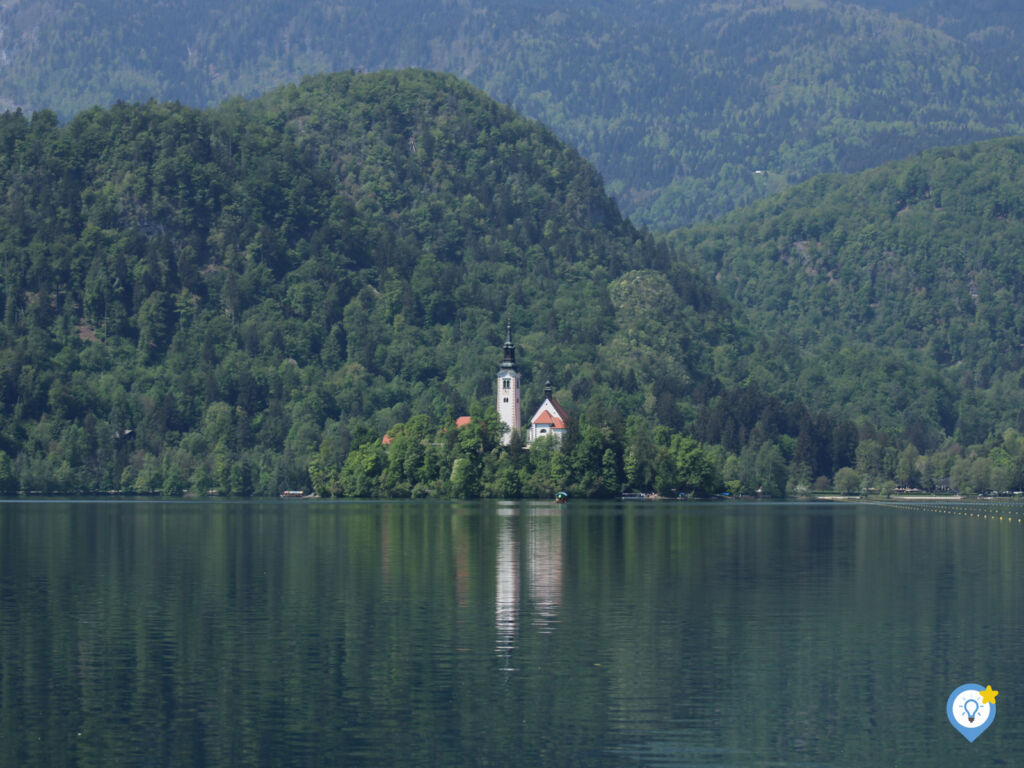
x: 996, y: 22
x: 688, y: 109
x: 248, y: 298
x: 217, y: 300
x: 900, y: 289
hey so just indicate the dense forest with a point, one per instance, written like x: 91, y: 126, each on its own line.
x: 688, y: 109
x: 899, y: 290
x: 919, y: 258
x: 210, y: 300
x: 247, y: 299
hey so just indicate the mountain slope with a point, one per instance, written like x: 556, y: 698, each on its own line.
x: 919, y: 258
x: 688, y: 109
x: 245, y: 299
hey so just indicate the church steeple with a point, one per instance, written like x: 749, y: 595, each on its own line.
x: 509, y: 348
x: 509, y: 408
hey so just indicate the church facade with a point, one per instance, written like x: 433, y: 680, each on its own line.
x: 548, y: 419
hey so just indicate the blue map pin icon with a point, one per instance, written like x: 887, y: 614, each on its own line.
x: 968, y: 713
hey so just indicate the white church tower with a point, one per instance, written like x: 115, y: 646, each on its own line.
x: 509, y: 410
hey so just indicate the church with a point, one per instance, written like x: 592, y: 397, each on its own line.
x: 548, y: 419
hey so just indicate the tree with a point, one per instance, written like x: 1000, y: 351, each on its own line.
x: 907, y: 472
x: 465, y: 482
x: 610, y: 483
x: 847, y: 481
x: 361, y: 472
x: 770, y: 469
x: 153, y: 321
x: 695, y: 472
x: 587, y: 462
x: 8, y: 481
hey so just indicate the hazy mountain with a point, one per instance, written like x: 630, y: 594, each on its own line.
x: 688, y: 109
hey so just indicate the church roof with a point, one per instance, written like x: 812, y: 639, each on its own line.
x: 550, y: 412
x: 547, y: 418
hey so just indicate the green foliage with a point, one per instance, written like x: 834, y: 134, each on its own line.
x: 361, y: 472
x: 240, y: 300
x: 896, y: 292
x: 424, y: 459
x: 696, y: 474
x: 245, y: 300
x: 688, y: 109
x: 770, y: 468
x: 847, y: 481
x: 8, y: 481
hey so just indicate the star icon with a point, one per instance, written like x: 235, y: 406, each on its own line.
x: 988, y: 696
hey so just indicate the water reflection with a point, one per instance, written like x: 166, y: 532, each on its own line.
x: 520, y: 634
x: 506, y: 599
x: 544, y: 559
x: 529, y: 542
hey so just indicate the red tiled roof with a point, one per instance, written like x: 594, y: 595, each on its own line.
x: 386, y: 440
x: 545, y: 417
x: 463, y: 421
x: 559, y: 413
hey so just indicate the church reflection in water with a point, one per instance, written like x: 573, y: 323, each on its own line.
x: 528, y: 577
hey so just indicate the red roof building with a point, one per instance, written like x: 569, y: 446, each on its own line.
x: 549, y: 419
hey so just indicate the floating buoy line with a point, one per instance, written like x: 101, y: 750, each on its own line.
x: 979, y: 510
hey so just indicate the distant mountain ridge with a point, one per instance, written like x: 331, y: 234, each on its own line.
x: 688, y: 109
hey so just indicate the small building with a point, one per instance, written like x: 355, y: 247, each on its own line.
x: 549, y: 419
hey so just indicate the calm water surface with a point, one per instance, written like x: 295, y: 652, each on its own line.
x: 328, y: 634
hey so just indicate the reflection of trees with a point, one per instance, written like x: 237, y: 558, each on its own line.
x: 544, y: 566
x: 231, y: 634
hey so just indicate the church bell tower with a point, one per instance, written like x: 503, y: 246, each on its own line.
x: 509, y: 410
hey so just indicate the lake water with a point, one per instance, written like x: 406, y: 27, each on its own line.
x: 506, y: 634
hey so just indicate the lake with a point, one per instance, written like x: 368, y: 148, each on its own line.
x: 315, y: 633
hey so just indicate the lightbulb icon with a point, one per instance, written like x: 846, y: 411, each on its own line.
x: 971, y: 708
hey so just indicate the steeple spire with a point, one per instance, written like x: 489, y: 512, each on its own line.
x: 508, y: 388
x: 509, y: 361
